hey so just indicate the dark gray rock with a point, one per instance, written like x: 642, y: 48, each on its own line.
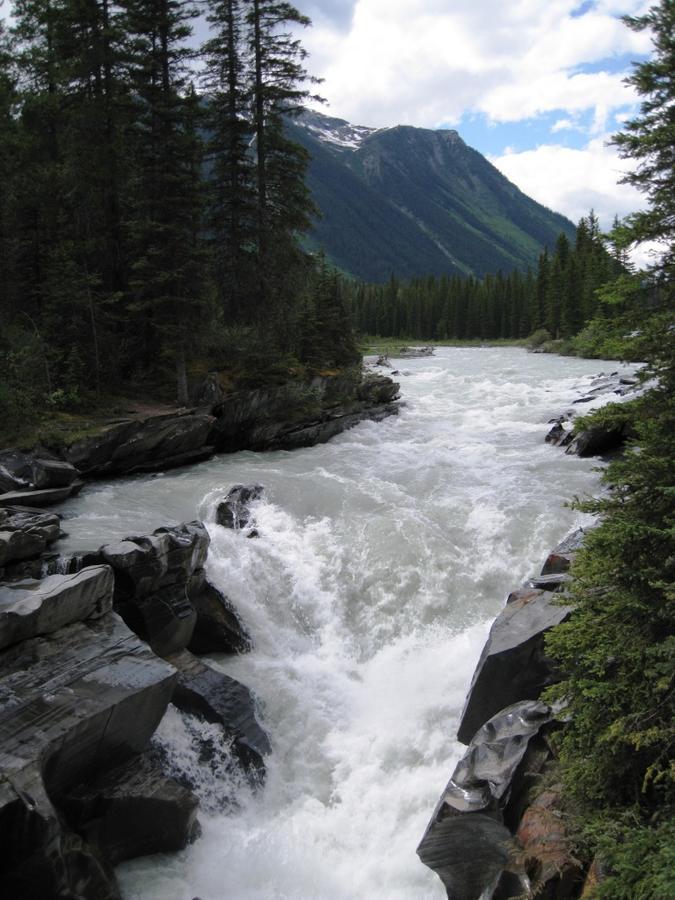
x: 233, y: 511
x: 204, y: 691
x: 597, y: 440
x: 513, y: 665
x: 218, y: 628
x: 148, y: 444
x: 414, y: 352
x: 466, y: 842
x: 32, y: 607
x: 376, y: 389
x: 554, y: 581
x: 71, y: 705
x: 561, y: 557
x: 21, y: 471
x: 152, y: 573
x: 40, y: 497
x: 556, y: 434
x: 135, y: 809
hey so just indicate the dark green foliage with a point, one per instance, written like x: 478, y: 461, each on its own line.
x: 415, y: 202
x: 617, y: 652
x: 559, y: 297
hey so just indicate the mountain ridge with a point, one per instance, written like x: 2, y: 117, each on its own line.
x: 410, y: 201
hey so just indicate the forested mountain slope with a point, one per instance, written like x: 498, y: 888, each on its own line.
x: 411, y: 201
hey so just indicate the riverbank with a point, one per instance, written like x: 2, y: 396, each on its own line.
x: 360, y: 663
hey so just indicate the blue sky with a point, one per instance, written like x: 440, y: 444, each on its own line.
x: 535, y: 85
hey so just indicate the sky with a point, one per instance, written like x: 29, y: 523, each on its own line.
x: 537, y: 86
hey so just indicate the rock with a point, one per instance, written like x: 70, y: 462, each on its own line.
x: 466, y: 842
x: 556, y: 434
x: 218, y: 628
x: 551, y: 582
x: 513, y: 665
x: 133, y: 810
x: 43, y: 497
x: 29, y: 608
x: 233, y: 511
x: 383, y: 361
x: 561, y: 557
x: 71, y: 705
x: 204, y: 691
x: 155, y: 442
x: 378, y: 389
x: 596, y: 440
x: 21, y: 471
x: 553, y: 871
x: 152, y: 573
x: 413, y: 352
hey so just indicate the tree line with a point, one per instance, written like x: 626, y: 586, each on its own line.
x: 559, y: 297
x: 151, y: 203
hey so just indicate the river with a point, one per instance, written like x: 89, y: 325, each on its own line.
x: 382, y: 559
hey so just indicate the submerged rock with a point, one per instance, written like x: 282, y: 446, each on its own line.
x: 133, y: 810
x: 218, y: 628
x: 204, y: 691
x: 71, y: 705
x: 233, y: 511
x: 466, y: 842
x: 513, y: 665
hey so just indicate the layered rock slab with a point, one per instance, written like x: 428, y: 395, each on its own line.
x: 33, y: 607
x: 466, y: 842
x: 71, y: 705
x: 513, y: 665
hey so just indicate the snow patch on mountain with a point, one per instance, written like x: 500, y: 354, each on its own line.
x: 335, y: 131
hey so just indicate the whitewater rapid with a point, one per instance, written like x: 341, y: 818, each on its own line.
x: 382, y: 559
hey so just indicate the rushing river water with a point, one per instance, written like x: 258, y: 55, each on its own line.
x: 383, y: 557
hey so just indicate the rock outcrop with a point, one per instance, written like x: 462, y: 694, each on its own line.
x: 25, y: 533
x: 467, y: 842
x: 513, y: 665
x: 218, y: 628
x: 71, y: 705
x: 36, y: 479
x: 144, y: 445
x: 204, y: 691
x: 33, y: 607
x: 134, y: 809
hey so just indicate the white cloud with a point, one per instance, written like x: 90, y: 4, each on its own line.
x: 427, y: 62
x: 572, y: 181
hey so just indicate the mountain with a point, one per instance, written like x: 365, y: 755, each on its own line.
x: 411, y: 201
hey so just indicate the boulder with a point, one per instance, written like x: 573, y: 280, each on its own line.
x: 466, y: 842
x: 32, y: 607
x: 513, y: 665
x: 378, y: 389
x: 204, y: 691
x: 152, y: 573
x: 72, y: 704
x: 561, y: 557
x: 133, y: 810
x: 596, y: 440
x: 40, y: 497
x: 233, y: 511
x: 413, y: 352
x: 154, y: 442
x: 552, y: 582
x: 218, y: 628
x: 21, y: 471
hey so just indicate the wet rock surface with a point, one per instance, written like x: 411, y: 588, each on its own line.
x: 467, y: 842
x: 147, y: 444
x: 218, y: 628
x: 133, y: 810
x: 234, y: 511
x: 513, y: 665
x: 32, y: 607
x: 71, y: 705
x: 25, y: 533
x: 204, y: 691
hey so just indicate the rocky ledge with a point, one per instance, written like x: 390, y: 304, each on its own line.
x: 598, y: 440
x: 91, y: 656
x: 495, y: 834
x: 224, y: 419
